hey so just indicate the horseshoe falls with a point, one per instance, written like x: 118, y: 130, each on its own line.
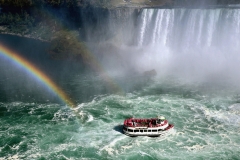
x: 191, y: 43
x: 195, y: 53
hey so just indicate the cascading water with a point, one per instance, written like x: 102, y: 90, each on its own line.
x: 189, y: 42
x: 189, y: 28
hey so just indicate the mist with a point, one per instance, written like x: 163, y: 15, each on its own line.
x: 194, y: 45
x: 187, y: 45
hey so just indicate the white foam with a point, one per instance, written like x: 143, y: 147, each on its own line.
x: 235, y: 108
x: 144, y: 153
x: 90, y: 118
x: 127, y: 147
x: 112, y: 143
x: 194, y: 147
x: 229, y: 117
x: 14, y: 157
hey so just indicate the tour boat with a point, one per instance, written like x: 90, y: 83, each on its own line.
x: 147, y: 127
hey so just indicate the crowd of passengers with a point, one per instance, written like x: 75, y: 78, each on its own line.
x: 144, y: 122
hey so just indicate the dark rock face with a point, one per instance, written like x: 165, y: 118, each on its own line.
x: 161, y: 3
x: 204, y: 3
x: 129, y: 3
x: 149, y: 74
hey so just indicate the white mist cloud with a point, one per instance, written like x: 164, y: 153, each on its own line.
x: 192, y: 44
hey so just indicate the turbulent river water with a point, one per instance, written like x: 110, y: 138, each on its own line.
x: 206, y: 125
x: 195, y: 53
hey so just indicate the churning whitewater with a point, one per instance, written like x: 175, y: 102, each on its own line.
x: 206, y: 126
x: 195, y: 54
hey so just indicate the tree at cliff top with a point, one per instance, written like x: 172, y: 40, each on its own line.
x: 199, y: 3
x: 66, y: 46
x: 38, y: 3
x: 38, y: 18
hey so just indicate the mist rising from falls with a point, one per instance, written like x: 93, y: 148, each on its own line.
x: 193, y: 44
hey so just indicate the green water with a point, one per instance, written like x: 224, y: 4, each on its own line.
x: 206, y: 123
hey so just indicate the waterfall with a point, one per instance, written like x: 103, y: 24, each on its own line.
x: 188, y: 28
x: 180, y: 29
x: 185, y: 42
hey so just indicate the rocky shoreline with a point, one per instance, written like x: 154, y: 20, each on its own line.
x: 44, y: 29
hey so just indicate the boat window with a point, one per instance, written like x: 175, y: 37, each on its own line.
x: 159, y: 129
x: 145, y: 130
x: 154, y: 130
x: 141, y: 130
x: 136, y: 130
x: 149, y: 130
x: 130, y: 130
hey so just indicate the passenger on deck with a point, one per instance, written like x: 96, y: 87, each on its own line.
x: 149, y: 124
x: 154, y: 121
x: 134, y: 123
x: 160, y: 119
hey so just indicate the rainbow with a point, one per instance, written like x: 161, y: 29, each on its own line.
x: 95, y: 65
x: 36, y: 73
x: 89, y: 57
